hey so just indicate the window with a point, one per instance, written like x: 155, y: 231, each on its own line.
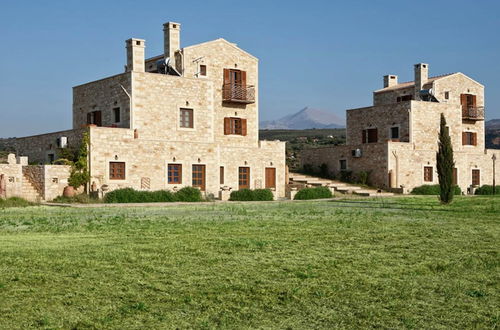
x: 404, y: 98
x: 244, y: 177
x: 94, y: 118
x: 203, y: 70
x: 235, y: 126
x: 446, y: 95
x: 270, y: 177
x: 116, y: 115
x: 198, y: 176
x: 186, y: 118
x: 174, y: 173
x: 117, y: 171
x: 395, y: 132
x: 221, y: 175
x: 343, y: 164
x: 476, y: 177
x: 428, y: 172
x: 370, y: 135
x: 469, y: 139
x: 454, y: 180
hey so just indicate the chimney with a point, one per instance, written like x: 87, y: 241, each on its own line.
x: 171, y: 40
x: 390, y: 80
x: 421, y: 77
x: 135, y: 55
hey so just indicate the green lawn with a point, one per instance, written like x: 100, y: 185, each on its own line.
x: 394, y: 263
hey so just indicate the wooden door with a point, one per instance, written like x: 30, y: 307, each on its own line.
x: 270, y: 177
x: 198, y: 177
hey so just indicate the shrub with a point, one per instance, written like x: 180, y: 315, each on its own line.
x: 313, y: 193
x: 251, y: 195
x: 346, y: 176
x: 433, y: 189
x: 487, y: 190
x: 80, y: 198
x: 188, y: 194
x: 14, y: 202
x: 363, y: 177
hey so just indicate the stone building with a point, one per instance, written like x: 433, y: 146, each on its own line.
x: 187, y: 117
x: 396, y: 139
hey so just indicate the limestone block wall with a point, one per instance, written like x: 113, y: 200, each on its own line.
x: 146, y: 161
x: 390, y: 96
x: 455, y: 85
x: 380, y: 117
x: 103, y: 95
x: 13, y: 179
x: 38, y: 148
x: 55, y: 180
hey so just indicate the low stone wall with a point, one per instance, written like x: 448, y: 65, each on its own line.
x: 55, y: 180
x: 13, y: 175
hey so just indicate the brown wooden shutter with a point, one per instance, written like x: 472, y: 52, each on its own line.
x: 463, y: 100
x: 474, y: 139
x: 464, y: 138
x: 375, y: 135
x: 227, y: 125
x: 243, y: 78
x: 244, y: 127
x: 226, y: 76
x: 474, y: 99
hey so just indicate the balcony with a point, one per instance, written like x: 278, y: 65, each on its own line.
x: 238, y: 93
x: 472, y: 113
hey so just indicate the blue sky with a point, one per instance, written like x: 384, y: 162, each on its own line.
x: 329, y: 55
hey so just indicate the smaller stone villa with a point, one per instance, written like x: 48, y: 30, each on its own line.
x: 186, y: 117
x: 396, y: 139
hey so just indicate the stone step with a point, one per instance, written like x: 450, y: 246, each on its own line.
x: 348, y: 189
x: 373, y: 193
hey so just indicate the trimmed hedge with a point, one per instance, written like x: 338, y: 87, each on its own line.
x: 129, y: 195
x: 433, y: 189
x: 251, y: 195
x: 487, y: 190
x: 313, y: 193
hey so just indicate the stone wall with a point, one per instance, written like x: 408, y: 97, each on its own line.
x: 38, y: 147
x: 13, y: 179
x: 146, y: 161
x: 55, y: 180
x: 103, y: 95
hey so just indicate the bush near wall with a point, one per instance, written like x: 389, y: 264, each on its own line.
x: 251, y: 195
x: 433, y: 189
x: 487, y: 190
x: 129, y: 195
x: 14, y: 202
x: 313, y: 193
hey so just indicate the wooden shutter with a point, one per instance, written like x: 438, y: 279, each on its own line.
x: 363, y: 136
x: 243, y: 127
x: 243, y: 78
x: 226, y: 77
x: 464, y: 138
x: 227, y: 125
x: 463, y: 100
x: 474, y: 99
x: 474, y: 139
x: 375, y: 135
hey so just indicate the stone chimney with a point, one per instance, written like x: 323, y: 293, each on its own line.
x: 135, y: 55
x: 171, y: 40
x: 390, y: 80
x: 421, y: 77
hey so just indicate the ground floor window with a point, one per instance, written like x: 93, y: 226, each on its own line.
x: 428, y: 172
x: 244, y: 177
x: 476, y: 177
x: 175, y: 173
x: 221, y: 175
x: 198, y: 176
x: 395, y: 132
x: 117, y: 170
x: 343, y: 164
x: 270, y: 177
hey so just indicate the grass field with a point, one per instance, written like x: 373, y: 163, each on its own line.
x: 395, y: 263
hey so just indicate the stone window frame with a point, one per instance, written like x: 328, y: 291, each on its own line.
x: 346, y: 164
x: 399, y: 132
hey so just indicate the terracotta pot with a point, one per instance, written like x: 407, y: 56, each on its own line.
x: 69, y: 191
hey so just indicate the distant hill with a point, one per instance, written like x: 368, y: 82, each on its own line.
x: 492, y: 128
x: 306, y: 118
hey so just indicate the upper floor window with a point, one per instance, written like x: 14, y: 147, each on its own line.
x: 395, y: 132
x: 370, y: 135
x: 116, y: 115
x: 235, y: 88
x: 174, y: 173
x: 94, y: 118
x: 404, y: 98
x: 186, y: 118
x: 446, y: 95
x: 235, y: 126
x: 469, y: 138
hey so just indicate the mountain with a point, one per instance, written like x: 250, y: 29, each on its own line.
x: 492, y: 130
x: 492, y: 124
x: 305, y: 119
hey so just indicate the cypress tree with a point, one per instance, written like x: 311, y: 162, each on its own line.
x: 445, y: 164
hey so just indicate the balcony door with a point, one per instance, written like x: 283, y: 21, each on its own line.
x: 235, y: 82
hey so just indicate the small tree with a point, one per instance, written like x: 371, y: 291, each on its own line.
x: 445, y: 164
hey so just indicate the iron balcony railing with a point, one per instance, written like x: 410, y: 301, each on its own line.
x: 238, y: 93
x: 473, y: 113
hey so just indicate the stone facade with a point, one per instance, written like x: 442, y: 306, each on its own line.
x: 190, y: 106
x: 406, y: 120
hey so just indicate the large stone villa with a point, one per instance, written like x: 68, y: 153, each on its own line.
x: 395, y: 140
x: 187, y: 117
